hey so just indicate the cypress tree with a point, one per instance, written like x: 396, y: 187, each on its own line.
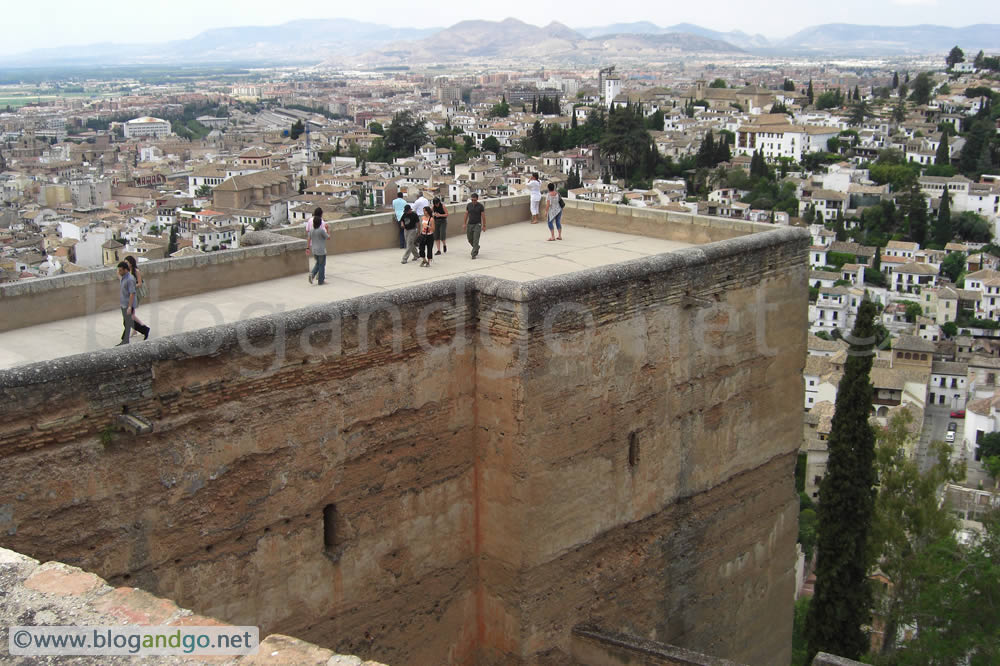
x: 943, y: 156
x: 877, y: 261
x: 942, y: 225
x: 895, y: 80
x: 172, y: 243
x: 809, y: 91
x: 841, y: 604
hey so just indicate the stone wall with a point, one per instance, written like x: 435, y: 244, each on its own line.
x: 455, y: 473
x: 593, y: 647
x: 643, y: 477
x: 270, y: 439
x: 55, y: 594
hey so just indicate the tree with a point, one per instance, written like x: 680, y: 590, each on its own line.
x: 172, y: 242
x: 922, y: 88
x: 718, y: 83
x: 978, y: 62
x: 942, y: 224
x: 625, y: 141
x: 706, y: 151
x: 907, y: 518
x: 655, y: 121
x: 788, y: 85
x: 943, y: 155
x: 302, y: 184
x: 809, y: 91
x: 899, y: 111
x: 950, y: 329
x: 376, y: 128
x: 501, y: 109
x: 859, y: 112
x: 877, y: 261
x: 842, y: 601
x: 895, y: 80
x: 972, y: 227
x: 952, y: 266
x: 914, y: 205
x: 297, y: 129
x: 405, y: 134
x: 492, y: 144
x: 913, y: 310
x: 203, y: 191
x: 955, y: 56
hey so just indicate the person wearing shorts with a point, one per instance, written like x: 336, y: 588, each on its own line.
x: 440, y: 225
x: 426, y: 236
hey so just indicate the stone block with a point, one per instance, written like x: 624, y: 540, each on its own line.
x: 135, y: 606
x: 61, y: 579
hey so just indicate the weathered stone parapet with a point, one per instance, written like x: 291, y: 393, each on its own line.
x: 55, y: 594
x: 457, y: 472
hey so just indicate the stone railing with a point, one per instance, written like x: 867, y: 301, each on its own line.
x: 56, y: 594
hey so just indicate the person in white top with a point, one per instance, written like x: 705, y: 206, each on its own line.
x: 535, y: 190
x: 420, y: 204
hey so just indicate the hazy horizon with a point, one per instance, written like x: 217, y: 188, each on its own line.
x: 118, y: 22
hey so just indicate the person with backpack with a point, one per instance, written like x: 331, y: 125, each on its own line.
x: 553, y: 212
x: 409, y: 223
x: 141, y: 291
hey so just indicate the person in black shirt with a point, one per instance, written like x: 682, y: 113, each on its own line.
x: 474, y: 223
x: 440, y: 225
x: 409, y: 223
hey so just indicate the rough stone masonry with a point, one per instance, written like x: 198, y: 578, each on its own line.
x: 456, y: 473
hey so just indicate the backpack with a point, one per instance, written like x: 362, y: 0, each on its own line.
x: 562, y: 204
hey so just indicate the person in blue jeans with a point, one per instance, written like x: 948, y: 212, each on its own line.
x: 553, y: 213
x: 398, y: 204
x: 318, y: 236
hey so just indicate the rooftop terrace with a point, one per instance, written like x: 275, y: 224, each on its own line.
x: 517, y: 252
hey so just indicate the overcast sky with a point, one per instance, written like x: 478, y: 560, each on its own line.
x: 74, y: 22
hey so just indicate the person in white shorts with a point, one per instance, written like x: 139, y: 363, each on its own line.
x: 535, y: 189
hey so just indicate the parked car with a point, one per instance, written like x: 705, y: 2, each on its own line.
x: 949, y: 436
x: 952, y: 427
x: 958, y: 414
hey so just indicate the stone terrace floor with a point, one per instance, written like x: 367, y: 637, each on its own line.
x: 516, y: 252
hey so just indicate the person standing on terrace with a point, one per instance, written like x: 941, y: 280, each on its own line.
x: 535, y: 190
x: 126, y: 299
x: 318, y: 236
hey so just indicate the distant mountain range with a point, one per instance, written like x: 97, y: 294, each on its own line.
x: 514, y: 39
x: 345, y: 40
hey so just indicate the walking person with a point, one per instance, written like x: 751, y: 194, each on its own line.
x: 140, y: 294
x: 535, y: 190
x: 474, y: 223
x: 553, y: 212
x: 408, y: 224
x: 398, y: 204
x: 440, y: 225
x: 426, y: 236
x: 126, y: 299
x: 318, y: 236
